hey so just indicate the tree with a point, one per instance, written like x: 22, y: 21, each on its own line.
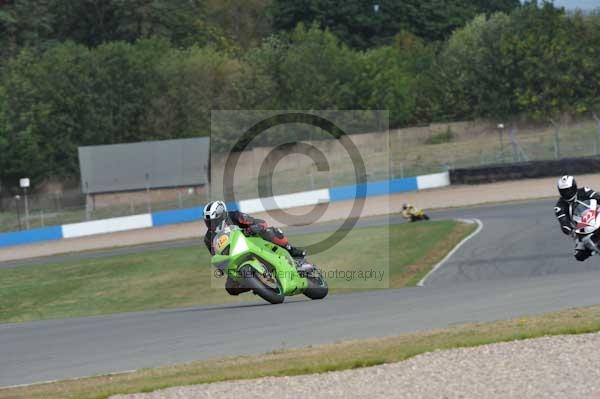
x: 93, y: 22
x: 355, y: 22
x: 364, y: 24
x: 386, y: 81
x: 492, y: 6
x: 72, y: 96
x: 198, y: 80
x: 477, y: 77
x: 549, y: 52
x: 42, y: 23
x: 24, y: 23
x: 244, y: 23
x: 127, y: 81
x: 261, y: 77
x: 22, y: 149
x: 317, y: 71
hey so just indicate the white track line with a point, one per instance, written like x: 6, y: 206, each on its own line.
x: 456, y: 248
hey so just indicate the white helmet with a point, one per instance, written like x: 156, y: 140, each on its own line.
x: 567, y: 187
x: 214, y: 213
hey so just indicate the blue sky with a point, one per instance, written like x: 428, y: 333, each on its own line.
x: 582, y: 4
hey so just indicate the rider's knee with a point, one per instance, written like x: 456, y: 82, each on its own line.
x: 581, y: 255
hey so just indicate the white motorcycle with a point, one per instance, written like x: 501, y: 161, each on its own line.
x: 586, y: 217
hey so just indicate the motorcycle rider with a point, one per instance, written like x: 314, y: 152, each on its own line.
x: 215, y: 213
x: 412, y: 214
x: 569, y: 194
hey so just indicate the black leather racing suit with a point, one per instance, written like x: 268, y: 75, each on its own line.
x: 251, y: 226
x: 563, y: 213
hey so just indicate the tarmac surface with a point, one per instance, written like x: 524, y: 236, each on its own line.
x: 518, y: 264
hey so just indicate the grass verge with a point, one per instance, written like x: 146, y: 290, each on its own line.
x: 182, y: 277
x: 318, y: 359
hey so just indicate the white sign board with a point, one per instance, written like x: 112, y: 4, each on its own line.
x: 24, y: 183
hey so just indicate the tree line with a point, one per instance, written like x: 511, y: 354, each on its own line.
x: 90, y: 72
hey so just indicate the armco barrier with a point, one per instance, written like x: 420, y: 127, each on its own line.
x: 525, y: 170
x: 31, y: 236
x: 163, y: 218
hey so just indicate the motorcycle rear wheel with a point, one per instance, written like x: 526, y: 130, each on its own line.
x: 317, y: 287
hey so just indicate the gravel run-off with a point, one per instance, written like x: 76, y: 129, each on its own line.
x: 550, y: 367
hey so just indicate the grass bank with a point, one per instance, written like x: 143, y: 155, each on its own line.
x: 318, y: 359
x: 182, y: 277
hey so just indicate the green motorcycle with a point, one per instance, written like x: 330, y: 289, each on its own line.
x: 268, y: 270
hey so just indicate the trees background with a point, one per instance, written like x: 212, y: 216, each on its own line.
x: 89, y: 72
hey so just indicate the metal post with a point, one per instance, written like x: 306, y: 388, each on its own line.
x: 42, y: 218
x: 57, y: 207
x: 390, y: 174
x: 26, y: 209
x: 557, y: 143
x: 87, y: 202
x: 17, y: 198
x: 597, y: 141
x: 501, y: 127
x: 513, y: 142
x: 148, y: 193
x: 556, y: 139
x: 598, y: 137
x: 88, y: 206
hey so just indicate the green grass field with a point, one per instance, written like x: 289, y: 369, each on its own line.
x: 182, y: 277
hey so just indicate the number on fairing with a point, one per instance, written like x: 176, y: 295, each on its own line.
x: 589, y: 217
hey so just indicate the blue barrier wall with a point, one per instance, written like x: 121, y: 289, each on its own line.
x: 232, y: 206
x: 31, y: 236
x: 193, y: 214
x: 176, y: 216
x: 371, y: 189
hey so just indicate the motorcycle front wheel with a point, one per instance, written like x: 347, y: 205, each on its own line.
x: 265, y: 286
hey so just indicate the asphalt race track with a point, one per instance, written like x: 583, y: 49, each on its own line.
x: 520, y: 263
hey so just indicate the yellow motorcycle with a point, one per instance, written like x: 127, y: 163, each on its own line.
x: 412, y: 214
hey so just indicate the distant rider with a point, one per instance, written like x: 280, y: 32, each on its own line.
x: 412, y: 214
x: 215, y: 213
x: 569, y: 194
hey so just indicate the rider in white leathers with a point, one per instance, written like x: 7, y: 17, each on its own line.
x: 569, y: 193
